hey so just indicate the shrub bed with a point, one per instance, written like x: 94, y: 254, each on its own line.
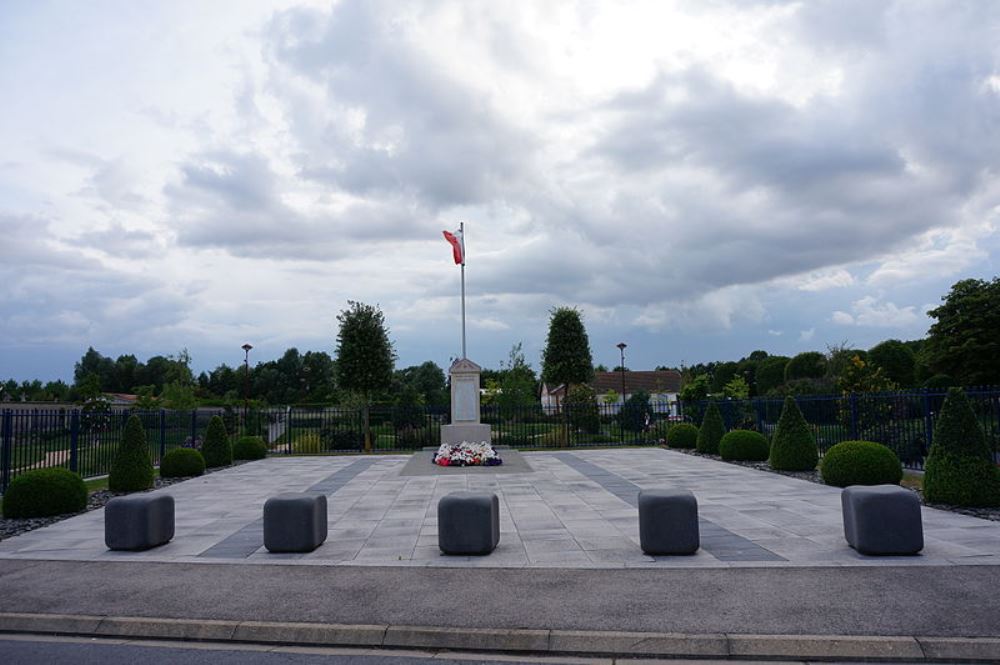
x: 182, y: 463
x: 44, y: 492
x: 744, y: 445
x: 860, y: 463
x: 682, y: 435
x: 250, y: 448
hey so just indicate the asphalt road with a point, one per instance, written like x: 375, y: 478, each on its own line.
x: 900, y: 600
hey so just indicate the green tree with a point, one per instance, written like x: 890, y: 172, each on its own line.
x: 365, y: 356
x: 793, y: 447
x: 132, y: 469
x: 724, y: 373
x: 636, y: 412
x: 771, y: 373
x: 581, y: 409
x: 517, y: 384
x: 178, y: 396
x: 711, y: 431
x: 736, y: 388
x: 807, y: 365
x: 963, y: 342
x: 696, y: 389
x: 960, y: 469
x: 566, y: 358
x: 896, y: 360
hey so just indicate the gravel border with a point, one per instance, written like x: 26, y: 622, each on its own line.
x: 10, y: 527
x: 992, y: 514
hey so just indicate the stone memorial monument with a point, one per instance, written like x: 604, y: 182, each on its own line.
x: 465, y: 414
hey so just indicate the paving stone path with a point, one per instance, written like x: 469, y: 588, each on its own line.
x: 572, y: 509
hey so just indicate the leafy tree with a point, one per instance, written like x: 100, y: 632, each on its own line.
x: 146, y: 400
x: 736, y: 388
x: 960, y: 469
x: 724, y: 373
x: 365, y: 356
x: 839, y: 359
x: 770, y: 373
x: 636, y: 412
x: 864, y: 377
x: 427, y: 378
x: 963, y: 342
x: 93, y: 364
x: 517, y: 384
x: 807, y: 365
x: 179, y: 396
x: 793, y: 447
x: 408, y: 411
x: 566, y: 358
x: 611, y: 397
x: 711, y: 431
x: 696, y: 389
x: 581, y: 409
x: 896, y: 360
x: 132, y: 469
x: 601, y: 368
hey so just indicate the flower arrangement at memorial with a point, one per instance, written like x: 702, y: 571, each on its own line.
x: 467, y: 454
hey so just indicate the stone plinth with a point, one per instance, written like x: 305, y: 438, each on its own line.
x: 465, y: 412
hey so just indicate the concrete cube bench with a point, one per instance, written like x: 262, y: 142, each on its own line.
x: 668, y: 521
x: 138, y: 521
x: 468, y: 523
x: 882, y: 519
x: 295, y: 522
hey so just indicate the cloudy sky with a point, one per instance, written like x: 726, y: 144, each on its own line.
x: 701, y: 179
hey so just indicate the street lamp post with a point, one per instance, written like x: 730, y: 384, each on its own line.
x: 621, y: 419
x: 246, y: 382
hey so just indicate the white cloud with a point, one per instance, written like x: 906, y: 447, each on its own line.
x: 825, y: 279
x: 872, y: 312
x: 843, y: 318
x: 807, y: 335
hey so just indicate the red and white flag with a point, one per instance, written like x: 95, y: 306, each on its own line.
x: 457, y: 245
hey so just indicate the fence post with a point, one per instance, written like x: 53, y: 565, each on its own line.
x: 163, y: 433
x: 289, y: 428
x: 6, y: 445
x: 74, y: 441
x: 194, y: 425
x: 756, y: 412
x: 854, y: 416
x: 928, y: 423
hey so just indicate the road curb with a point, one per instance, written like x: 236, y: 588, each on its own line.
x: 550, y: 642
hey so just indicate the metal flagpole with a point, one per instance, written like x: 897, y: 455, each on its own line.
x: 461, y: 230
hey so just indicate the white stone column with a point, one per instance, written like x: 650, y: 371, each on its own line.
x: 465, y: 410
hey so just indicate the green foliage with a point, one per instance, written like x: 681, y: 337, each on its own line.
x: 132, y: 469
x: 723, y: 374
x: 408, y: 412
x: 365, y: 355
x: 696, y: 389
x: 517, y: 387
x: 308, y: 443
x: 960, y: 469
x: 636, y: 412
x: 566, y: 358
x: 793, y: 447
x: 146, y: 400
x: 860, y: 463
x: 426, y: 378
x: 181, y: 463
x: 736, y: 388
x: 216, y: 449
x: 581, y: 409
x: 44, y: 492
x: 963, y: 343
x: 939, y: 382
x: 808, y: 365
x: 250, y: 448
x: 711, y: 431
x: 682, y: 435
x: 742, y: 444
x: 770, y: 373
x: 896, y: 361
x: 861, y: 376
x: 178, y: 396
x: 340, y: 438
x: 840, y: 359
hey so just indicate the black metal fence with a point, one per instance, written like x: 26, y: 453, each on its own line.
x: 87, y: 441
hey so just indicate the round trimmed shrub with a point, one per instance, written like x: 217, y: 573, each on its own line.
x: 960, y: 469
x: 44, y: 492
x: 250, y: 447
x: 182, y: 463
x: 711, y: 431
x: 217, y: 450
x: 793, y: 447
x: 132, y: 470
x: 860, y: 463
x: 744, y: 445
x: 682, y: 435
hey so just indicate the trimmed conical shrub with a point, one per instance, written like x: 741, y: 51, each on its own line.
x: 793, y: 447
x: 960, y: 469
x: 217, y: 450
x: 711, y: 431
x: 132, y: 469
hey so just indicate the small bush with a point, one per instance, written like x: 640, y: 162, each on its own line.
x: 860, y: 463
x: 182, y: 463
x: 44, y: 492
x: 581, y: 409
x: 742, y: 444
x: 132, y: 470
x: 793, y: 447
x: 636, y: 412
x: 682, y: 435
x: 334, y: 438
x: 217, y: 449
x: 250, y: 447
x: 711, y: 431
x: 960, y: 469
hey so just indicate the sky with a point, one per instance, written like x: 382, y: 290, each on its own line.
x: 700, y: 178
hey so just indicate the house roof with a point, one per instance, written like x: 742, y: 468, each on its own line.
x: 654, y: 381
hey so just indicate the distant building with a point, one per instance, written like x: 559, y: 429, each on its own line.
x: 662, y: 386
x: 121, y: 399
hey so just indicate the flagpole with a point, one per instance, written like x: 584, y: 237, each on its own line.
x: 461, y: 228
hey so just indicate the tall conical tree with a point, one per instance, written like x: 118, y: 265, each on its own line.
x: 711, y: 431
x: 960, y: 468
x: 132, y: 469
x: 793, y: 447
x: 566, y: 358
x: 217, y: 450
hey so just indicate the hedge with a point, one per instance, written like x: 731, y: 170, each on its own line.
x: 860, y: 463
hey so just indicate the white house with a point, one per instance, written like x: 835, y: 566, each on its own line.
x: 662, y: 386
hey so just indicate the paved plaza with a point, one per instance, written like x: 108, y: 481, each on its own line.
x: 565, y: 509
